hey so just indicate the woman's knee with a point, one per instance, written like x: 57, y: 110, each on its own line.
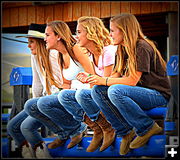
x: 97, y: 90
x: 42, y: 104
x: 28, y: 105
x: 10, y: 126
x: 116, y: 90
x: 25, y: 128
x: 64, y: 95
x: 82, y: 95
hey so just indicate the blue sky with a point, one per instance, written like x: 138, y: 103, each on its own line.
x: 13, y: 47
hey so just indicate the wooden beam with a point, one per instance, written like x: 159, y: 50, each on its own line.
x: 15, y: 4
x: 115, y: 8
x: 125, y: 7
x: 40, y: 15
x: 145, y: 7
x: 86, y: 10
x: 105, y: 9
x: 77, y: 8
x: 23, y: 15
x: 67, y: 12
x: 6, y: 17
x: 48, y: 13
x: 14, y: 17
x: 135, y: 8
x: 96, y: 9
x: 58, y: 12
x: 31, y: 15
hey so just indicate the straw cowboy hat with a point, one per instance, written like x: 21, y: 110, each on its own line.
x: 35, y: 31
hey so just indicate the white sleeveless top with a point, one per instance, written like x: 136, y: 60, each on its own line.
x: 71, y: 72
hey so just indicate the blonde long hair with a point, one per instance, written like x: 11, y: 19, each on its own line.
x: 42, y: 54
x: 96, y: 31
x: 43, y: 61
x: 131, y: 29
x: 60, y: 28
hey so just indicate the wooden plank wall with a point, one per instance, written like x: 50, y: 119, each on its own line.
x: 24, y: 13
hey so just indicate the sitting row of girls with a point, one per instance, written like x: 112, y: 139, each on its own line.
x: 124, y: 74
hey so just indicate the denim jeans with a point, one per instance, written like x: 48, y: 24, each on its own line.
x: 24, y: 128
x: 77, y: 102
x: 123, y: 106
x: 67, y: 98
x: 52, y: 114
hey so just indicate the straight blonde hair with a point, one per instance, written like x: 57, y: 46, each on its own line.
x: 60, y: 28
x: 43, y: 62
x: 132, y: 31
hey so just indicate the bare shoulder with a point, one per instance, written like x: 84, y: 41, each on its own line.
x: 76, y: 48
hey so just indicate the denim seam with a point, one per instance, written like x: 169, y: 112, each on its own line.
x: 74, y: 106
x: 115, y: 113
x: 165, y: 105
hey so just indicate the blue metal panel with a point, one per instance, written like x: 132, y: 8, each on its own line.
x: 5, y: 148
x: 21, y: 76
x: 154, y: 148
x: 173, y: 66
x: 160, y: 112
x: 169, y: 126
x: 5, y: 117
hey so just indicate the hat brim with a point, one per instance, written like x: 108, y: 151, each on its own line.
x: 29, y: 36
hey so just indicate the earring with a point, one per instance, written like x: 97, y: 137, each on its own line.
x: 59, y: 39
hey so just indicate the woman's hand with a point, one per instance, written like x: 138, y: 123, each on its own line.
x: 82, y: 77
x: 96, y: 80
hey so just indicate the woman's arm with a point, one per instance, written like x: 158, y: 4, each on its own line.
x: 108, y: 70
x: 108, y: 59
x: 115, y: 75
x: 83, y: 59
x: 131, y: 81
x: 66, y: 84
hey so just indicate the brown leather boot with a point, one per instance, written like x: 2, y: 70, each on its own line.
x: 97, y: 136
x: 76, y: 139
x: 108, y: 131
x: 126, y: 140
x: 139, y: 141
x: 56, y: 143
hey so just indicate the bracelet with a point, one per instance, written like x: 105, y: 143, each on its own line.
x: 107, y: 80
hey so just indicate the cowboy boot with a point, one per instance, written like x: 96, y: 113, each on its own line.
x: 97, y: 136
x: 108, y: 131
x: 126, y: 140
x: 56, y: 143
x: 140, y: 141
x: 76, y: 139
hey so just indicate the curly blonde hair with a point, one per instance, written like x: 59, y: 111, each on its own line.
x: 96, y: 31
x: 132, y: 32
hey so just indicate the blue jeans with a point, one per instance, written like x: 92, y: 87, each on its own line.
x: 52, y: 114
x: 123, y: 106
x: 23, y: 127
x: 77, y: 102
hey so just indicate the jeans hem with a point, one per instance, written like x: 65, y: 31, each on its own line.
x: 145, y: 131
x: 79, y: 132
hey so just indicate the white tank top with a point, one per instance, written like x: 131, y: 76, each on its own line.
x: 71, y: 72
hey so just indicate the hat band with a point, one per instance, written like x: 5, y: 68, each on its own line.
x: 36, y: 34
